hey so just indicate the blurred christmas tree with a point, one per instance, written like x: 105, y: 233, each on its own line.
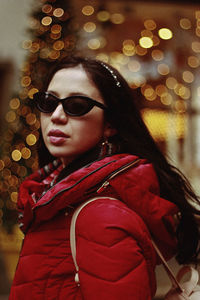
x: 53, y: 34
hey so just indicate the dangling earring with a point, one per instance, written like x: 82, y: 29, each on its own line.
x: 106, y: 148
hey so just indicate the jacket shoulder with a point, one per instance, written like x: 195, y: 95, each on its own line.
x: 106, y: 221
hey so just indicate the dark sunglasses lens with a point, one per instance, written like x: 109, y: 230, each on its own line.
x: 46, y: 102
x: 77, y: 106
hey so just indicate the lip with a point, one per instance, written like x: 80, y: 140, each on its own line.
x: 57, y: 137
x: 57, y: 133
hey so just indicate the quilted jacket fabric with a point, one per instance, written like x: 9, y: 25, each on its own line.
x: 114, y: 250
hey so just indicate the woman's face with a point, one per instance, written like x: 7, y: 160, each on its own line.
x: 65, y: 136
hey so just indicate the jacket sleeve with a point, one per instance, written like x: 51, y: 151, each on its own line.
x: 114, y: 253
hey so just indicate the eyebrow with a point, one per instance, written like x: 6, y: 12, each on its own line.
x: 71, y: 94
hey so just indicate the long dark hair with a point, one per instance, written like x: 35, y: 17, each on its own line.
x: 134, y: 138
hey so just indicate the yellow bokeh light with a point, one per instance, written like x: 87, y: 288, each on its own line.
x: 165, y: 33
x: 185, y: 23
x: 56, y: 29
x: 26, y: 153
x: 196, y: 47
x: 119, y: 58
x: 27, y: 44
x: 184, y: 93
x: 150, y: 94
x: 193, y: 61
x: 89, y: 26
x: 14, y: 197
x: 140, y: 50
x: 103, y: 57
x: 88, y: 10
x: 34, y: 47
x: 44, y: 53
x: 16, y: 155
x: 6, y: 173
x: 31, y: 119
x: 146, y: 42
x: 147, y: 33
x: 117, y: 18
x: 94, y: 44
x: 26, y: 81
x: 171, y: 82
x: 103, y: 15
x: 54, y: 54
x: 10, y: 116
x: 54, y: 36
x: 197, y: 14
x: 150, y: 24
x: 22, y: 171
x: 157, y: 55
x: 46, y: 21
x: 31, y: 92
x: 31, y: 139
x: 179, y: 89
x: 163, y: 69
x: 197, y: 31
x: 58, y: 45
x: 134, y: 66
x: 161, y: 89
x: 180, y: 106
x: 166, y: 99
x: 14, y: 103
x: 47, y: 8
x: 58, y: 12
x: 188, y: 76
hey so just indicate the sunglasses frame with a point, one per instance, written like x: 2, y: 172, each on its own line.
x: 91, y: 102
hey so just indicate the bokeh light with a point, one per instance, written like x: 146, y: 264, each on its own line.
x: 146, y: 42
x: 88, y: 10
x: 165, y: 33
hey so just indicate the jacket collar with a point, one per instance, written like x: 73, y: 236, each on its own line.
x: 68, y: 192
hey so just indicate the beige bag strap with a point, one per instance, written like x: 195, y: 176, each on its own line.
x: 73, y: 230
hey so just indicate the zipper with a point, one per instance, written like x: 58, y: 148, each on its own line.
x: 106, y: 181
x: 66, y: 189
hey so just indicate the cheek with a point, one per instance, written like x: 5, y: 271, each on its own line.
x: 92, y: 128
x: 43, y: 123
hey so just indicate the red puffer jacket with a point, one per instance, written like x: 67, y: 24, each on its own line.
x: 114, y: 250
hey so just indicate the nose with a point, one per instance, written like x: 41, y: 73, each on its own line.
x: 59, y: 116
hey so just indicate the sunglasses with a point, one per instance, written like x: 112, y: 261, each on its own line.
x: 73, y: 106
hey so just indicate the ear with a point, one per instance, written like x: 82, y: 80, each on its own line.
x: 109, y: 130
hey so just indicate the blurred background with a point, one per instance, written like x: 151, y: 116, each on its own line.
x: 154, y: 44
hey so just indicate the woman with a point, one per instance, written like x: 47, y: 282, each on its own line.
x: 96, y: 145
